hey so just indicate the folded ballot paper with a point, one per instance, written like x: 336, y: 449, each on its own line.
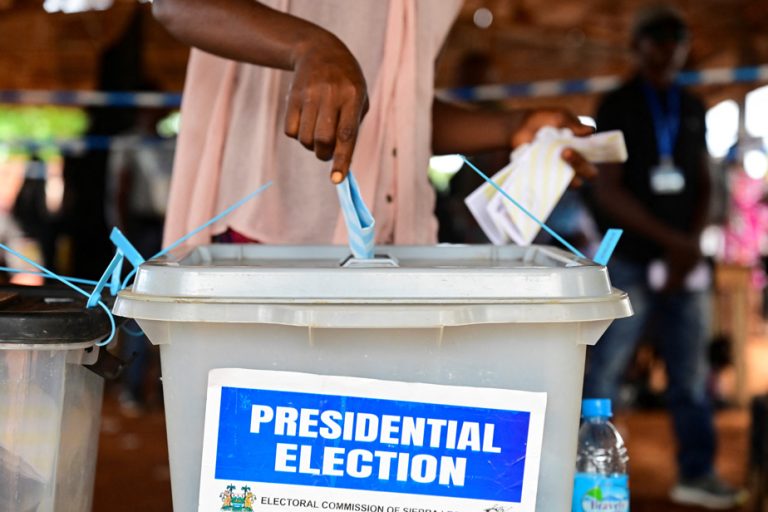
x: 537, y: 177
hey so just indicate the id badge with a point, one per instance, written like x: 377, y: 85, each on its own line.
x: 667, y: 178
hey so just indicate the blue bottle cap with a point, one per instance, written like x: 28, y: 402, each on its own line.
x: 596, y: 408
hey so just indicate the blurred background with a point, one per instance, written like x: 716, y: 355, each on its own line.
x: 89, y: 97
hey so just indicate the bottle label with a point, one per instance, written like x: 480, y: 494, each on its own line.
x: 599, y: 493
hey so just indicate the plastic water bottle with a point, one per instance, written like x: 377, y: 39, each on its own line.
x: 602, y: 483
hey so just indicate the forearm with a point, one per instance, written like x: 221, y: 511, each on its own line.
x: 629, y: 213
x: 701, y: 212
x: 242, y: 30
x: 328, y: 94
x: 458, y: 129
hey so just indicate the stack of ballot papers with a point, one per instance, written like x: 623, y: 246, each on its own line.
x: 537, y: 177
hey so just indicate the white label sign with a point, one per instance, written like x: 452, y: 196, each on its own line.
x: 280, y: 441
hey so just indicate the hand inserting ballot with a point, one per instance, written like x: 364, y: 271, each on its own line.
x: 327, y: 101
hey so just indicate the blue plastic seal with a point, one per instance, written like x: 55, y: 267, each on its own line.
x: 125, y: 250
x: 124, y: 246
x: 95, y: 295
x: 596, y: 408
x: 607, y: 246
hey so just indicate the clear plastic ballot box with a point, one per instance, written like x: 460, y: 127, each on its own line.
x: 50, y: 404
x: 515, y: 318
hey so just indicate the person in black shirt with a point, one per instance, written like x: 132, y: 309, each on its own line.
x: 660, y: 198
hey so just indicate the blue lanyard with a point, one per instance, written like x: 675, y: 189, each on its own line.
x: 666, y: 124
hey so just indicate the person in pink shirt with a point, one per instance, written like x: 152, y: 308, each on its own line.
x: 353, y: 83
x: 746, y: 231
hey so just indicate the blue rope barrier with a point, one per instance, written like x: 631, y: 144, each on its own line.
x: 486, y: 92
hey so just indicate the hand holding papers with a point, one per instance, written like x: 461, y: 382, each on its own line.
x: 537, y: 177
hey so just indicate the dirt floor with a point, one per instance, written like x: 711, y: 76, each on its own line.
x: 133, y: 474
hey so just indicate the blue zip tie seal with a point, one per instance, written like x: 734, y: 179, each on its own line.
x: 607, y: 246
x: 125, y: 250
x: 114, y: 285
x: 95, y: 295
x: 112, y: 273
x: 123, y: 245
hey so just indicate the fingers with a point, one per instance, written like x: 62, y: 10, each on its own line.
x: 312, y: 121
x: 581, y: 130
x: 571, y: 121
x: 583, y: 168
x: 346, y: 137
x: 309, y: 110
x: 534, y: 120
x: 328, y: 124
x: 293, y: 116
x: 325, y: 131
